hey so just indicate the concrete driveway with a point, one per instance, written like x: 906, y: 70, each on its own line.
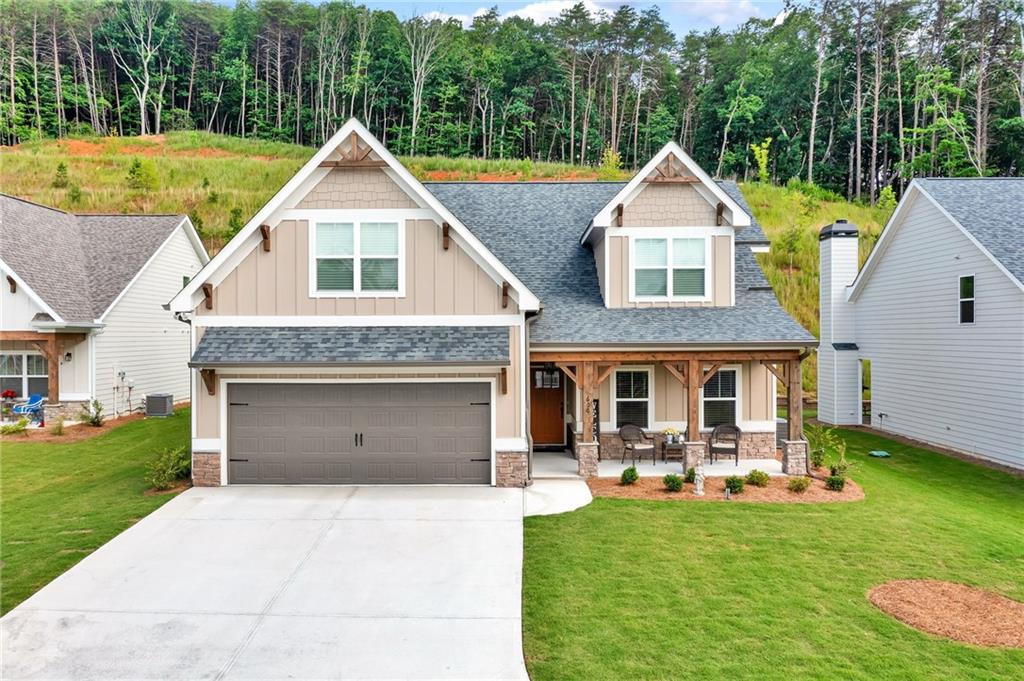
x: 289, y: 582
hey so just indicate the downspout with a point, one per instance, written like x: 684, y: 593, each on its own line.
x: 530, y: 318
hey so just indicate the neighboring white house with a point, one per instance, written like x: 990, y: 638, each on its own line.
x: 81, y: 313
x: 938, y: 311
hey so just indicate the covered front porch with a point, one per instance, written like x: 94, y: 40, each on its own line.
x: 664, y: 390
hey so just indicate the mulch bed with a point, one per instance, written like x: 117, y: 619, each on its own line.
x: 72, y: 432
x: 957, y: 611
x: 714, y: 490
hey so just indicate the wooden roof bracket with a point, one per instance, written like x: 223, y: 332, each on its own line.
x: 208, y: 296
x: 504, y: 381
x: 679, y: 375
x: 619, y: 210
x: 719, y: 213
x: 710, y: 373
x: 13, y: 284
x: 446, y: 239
x: 209, y: 377
x: 567, y: 371
x: 504, y: 294
x: 265, y: 235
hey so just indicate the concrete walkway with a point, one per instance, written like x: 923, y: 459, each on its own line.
x: 299, y: 582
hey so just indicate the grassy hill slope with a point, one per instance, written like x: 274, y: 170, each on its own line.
x: 221, y: 181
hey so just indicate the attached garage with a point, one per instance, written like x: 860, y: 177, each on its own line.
x: 359, y: 433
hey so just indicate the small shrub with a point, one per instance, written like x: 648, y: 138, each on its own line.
x: 836, y: 483
x: 93, y: 414
x: 629, y: 476
x: 821, y: 440
x: 798, y: 484
x: 58, y: 427
x: 761, y: 156
x: 840, y: 466
x: 235, y: 222
x: 887, y: 200
x: 757, y: 478
x: 141, y: 176
x: 691, y: 475
x: 75, y: 194
x: 734, y: 484
x: 18, y: 428
x: 169, y: 466
x: 611, y: 165
x: 673, y: 483
x: 60, y: 179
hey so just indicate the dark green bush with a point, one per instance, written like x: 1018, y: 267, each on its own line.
x: 836, y: 483
x: 734, y: 484
x: 673, y: 483
x: 691, y: 475
x: 757, y: 478
x: 799, y: 484
x: 629, y: 476
x: 169, y: 466
x: 93, y: 414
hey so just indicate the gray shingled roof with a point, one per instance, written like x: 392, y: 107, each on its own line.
x: 534, y: 229
x: 990, y: 209
x: 319, y: 346
x: 78, y: 264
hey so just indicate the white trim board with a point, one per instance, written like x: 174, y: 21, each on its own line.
x: 247, y: 239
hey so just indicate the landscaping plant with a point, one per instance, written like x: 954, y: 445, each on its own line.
x: 673, y: 483
x: 734, y: 484
x: 798, y: 484
x: 691, y: 475
x: 17, y: 428
x: 757, y: 478
x: 629, y: 476
x: 170, y: 466
x: 821, y: 441
x: 835, y: 483
x: 93, y: 414
x: 58, y: 427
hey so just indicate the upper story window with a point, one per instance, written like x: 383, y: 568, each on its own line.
x: 670, y: 268
x: 357, y: 258
x: 967, y: 299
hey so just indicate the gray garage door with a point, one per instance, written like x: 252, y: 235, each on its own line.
x: 379, y: 433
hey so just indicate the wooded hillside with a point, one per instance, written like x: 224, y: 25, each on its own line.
x: 853, y: 95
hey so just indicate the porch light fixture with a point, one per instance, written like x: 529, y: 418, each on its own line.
x: 67, y: 356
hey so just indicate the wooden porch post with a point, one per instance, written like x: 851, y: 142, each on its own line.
x: 53, y: 370
x: 586, y: 372
x: 693, y: 383
x: 795, y: 401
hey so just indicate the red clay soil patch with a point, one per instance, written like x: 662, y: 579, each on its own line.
x: 72, y: 433
x: 73, y: 147
x: 714, y: 490
x: 956, y: 611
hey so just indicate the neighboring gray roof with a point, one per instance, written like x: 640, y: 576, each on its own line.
x: 78, y: 264
x: 990, y: 209
x: 747, y: 235
x: 534, y: 228
x: 316, y: 345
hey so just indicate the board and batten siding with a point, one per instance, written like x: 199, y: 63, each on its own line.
x: 959, y: 386
x: 143, y: 339
x: 437, y: 282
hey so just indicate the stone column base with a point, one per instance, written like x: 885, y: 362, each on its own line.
x: 586, y: 459
x: 206, y: 469
x: 692, y: 453
x: 69, y: 411
x: 511, y: 469
x: 794, y: 457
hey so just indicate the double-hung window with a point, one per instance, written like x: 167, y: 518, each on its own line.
x: 720, y: 399
x: 24, y: 373
x: 357, y: 257
x: 665, y: 268
x: 967, y: 299
x: 632, y: 398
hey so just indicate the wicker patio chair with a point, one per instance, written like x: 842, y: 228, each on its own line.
x: 636, y: 443
x: 725, y: 440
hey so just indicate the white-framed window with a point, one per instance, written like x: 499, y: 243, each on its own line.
x: 720, y: 399
x: 632, y: 393
x: 26, y: 373
x: 357, y: 258
x: 670, y: 267
x: 966, y: 300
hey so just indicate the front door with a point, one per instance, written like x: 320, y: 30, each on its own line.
x: 547, y: 407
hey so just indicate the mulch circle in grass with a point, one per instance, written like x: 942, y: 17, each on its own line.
x: 957, y: 611
x: 714, y: 490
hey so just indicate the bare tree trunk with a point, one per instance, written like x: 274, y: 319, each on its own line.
x: 423, y: 38
x: 876, y: 90
x: 58, y: 90
x: 819, y: 65
x: 858, y: 104
x: 897, y: 63
x: 192, y: 72
x: 35, y: 71
x: 728, y: 126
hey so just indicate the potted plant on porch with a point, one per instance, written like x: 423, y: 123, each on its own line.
x: 671, y: 435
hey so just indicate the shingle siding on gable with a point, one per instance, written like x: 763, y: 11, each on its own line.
x: 935, y: 379
x: 356, y: 188
x: 668, y: 205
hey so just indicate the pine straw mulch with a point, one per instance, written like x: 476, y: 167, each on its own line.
x: 956, y: 611
x: 72, y: 432
x: 714, y: 490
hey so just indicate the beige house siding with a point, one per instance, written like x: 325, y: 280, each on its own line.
x: 436, y: 281
x: 617, y: 277
x: 508, y: 414
x: 757, y: 396
x: 668, y: 205
x: 356, y: 188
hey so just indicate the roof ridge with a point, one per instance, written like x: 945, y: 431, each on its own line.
x: 34, y: 203
x: 128, y: 215
x: 521, y: 182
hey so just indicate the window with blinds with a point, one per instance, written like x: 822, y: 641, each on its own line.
x: 670, y: 268
x: 357, y: 257
x: 719, y: 401
x: 632, y: 398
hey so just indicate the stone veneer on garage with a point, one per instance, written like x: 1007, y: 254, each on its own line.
x: 206, y: 469
x: 512, y: 469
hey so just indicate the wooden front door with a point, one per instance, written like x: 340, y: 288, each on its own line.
x: 547, y: 406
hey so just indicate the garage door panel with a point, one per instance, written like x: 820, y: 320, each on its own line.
x: 410, y: 433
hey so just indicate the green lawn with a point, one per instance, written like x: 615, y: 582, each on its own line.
x: 60, y: 502
x: 640, y: 589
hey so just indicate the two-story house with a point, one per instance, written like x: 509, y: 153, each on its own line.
x: 365, y: 327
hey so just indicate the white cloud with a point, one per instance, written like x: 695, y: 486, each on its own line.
x: 723, y: 13
x: 546, y: 10
x: 465, y: 19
